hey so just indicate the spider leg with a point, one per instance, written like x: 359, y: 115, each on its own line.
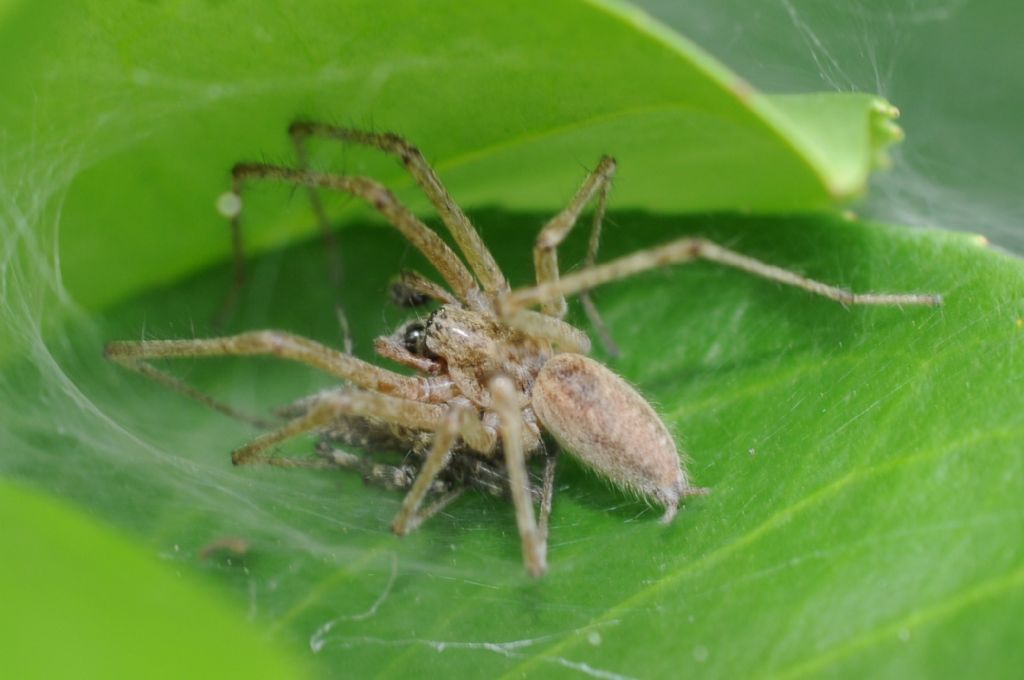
x: 303, y: 463
x: 389, y: 347
x: 533, y: 541
x: 592, y: 246
x: 230, y: 206
x: 334, y: 272
x: 182, y: 387
x: 462, y: 472
x: 134, y: 354
x: 547, y: 495
x: 545, y: 252
x: 687, y: 250
x: 480, y: 259
x: 376, y: 195
x: 440, y: 504
x: 335, y: 404
x: 563, y: 335
x: 605, y: 335
x: 411, y: 289
x: 390, y: 477
x: 459, y: 420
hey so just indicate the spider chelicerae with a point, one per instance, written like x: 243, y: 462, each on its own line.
x: 495, y: 368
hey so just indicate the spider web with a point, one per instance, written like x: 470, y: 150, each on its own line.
x: 950, y: 179
x: 931, y: 58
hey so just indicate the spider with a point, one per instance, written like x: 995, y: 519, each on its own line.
x: 494, y: 368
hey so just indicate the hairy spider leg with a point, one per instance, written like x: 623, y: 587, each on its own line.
x: 285, y: 346
x: 511, y: 425
x: 589, y: 308
x: 330, y: 406
x: 482, y: 474
x: 562, y: 335
x: 390, y: 477
x: 447, y: 424
x: 391, y: 348
x: 459, y: 420
x: 334, y: 272
x: 444, y: 260
x: 230, y: 206
x: 687, y: 250
x: 546, y: 497
x: 545, y: 252
x: 439, y: 505
x: 480, y: 259
x: 180, y: 386
x: 412, y: 289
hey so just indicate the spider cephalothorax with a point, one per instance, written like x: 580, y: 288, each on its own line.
x: 475, y: 347
x: 492, y: 374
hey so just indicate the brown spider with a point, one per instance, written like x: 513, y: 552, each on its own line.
x: 493, y: 374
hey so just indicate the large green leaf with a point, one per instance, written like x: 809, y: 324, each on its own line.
x: 864, y: 466
x: 80, y: 601
x: 148, y: 105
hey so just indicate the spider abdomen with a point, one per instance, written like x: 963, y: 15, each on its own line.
x: 599, y: 418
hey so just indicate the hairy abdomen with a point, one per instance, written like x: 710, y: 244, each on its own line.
x: 599, y: 418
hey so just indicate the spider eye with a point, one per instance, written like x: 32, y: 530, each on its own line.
x: 415, y: 339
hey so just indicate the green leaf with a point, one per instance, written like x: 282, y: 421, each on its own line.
x: 147, y: 105
x: 79, y: 601
x: 866, y: 483
x: 864, y: 462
